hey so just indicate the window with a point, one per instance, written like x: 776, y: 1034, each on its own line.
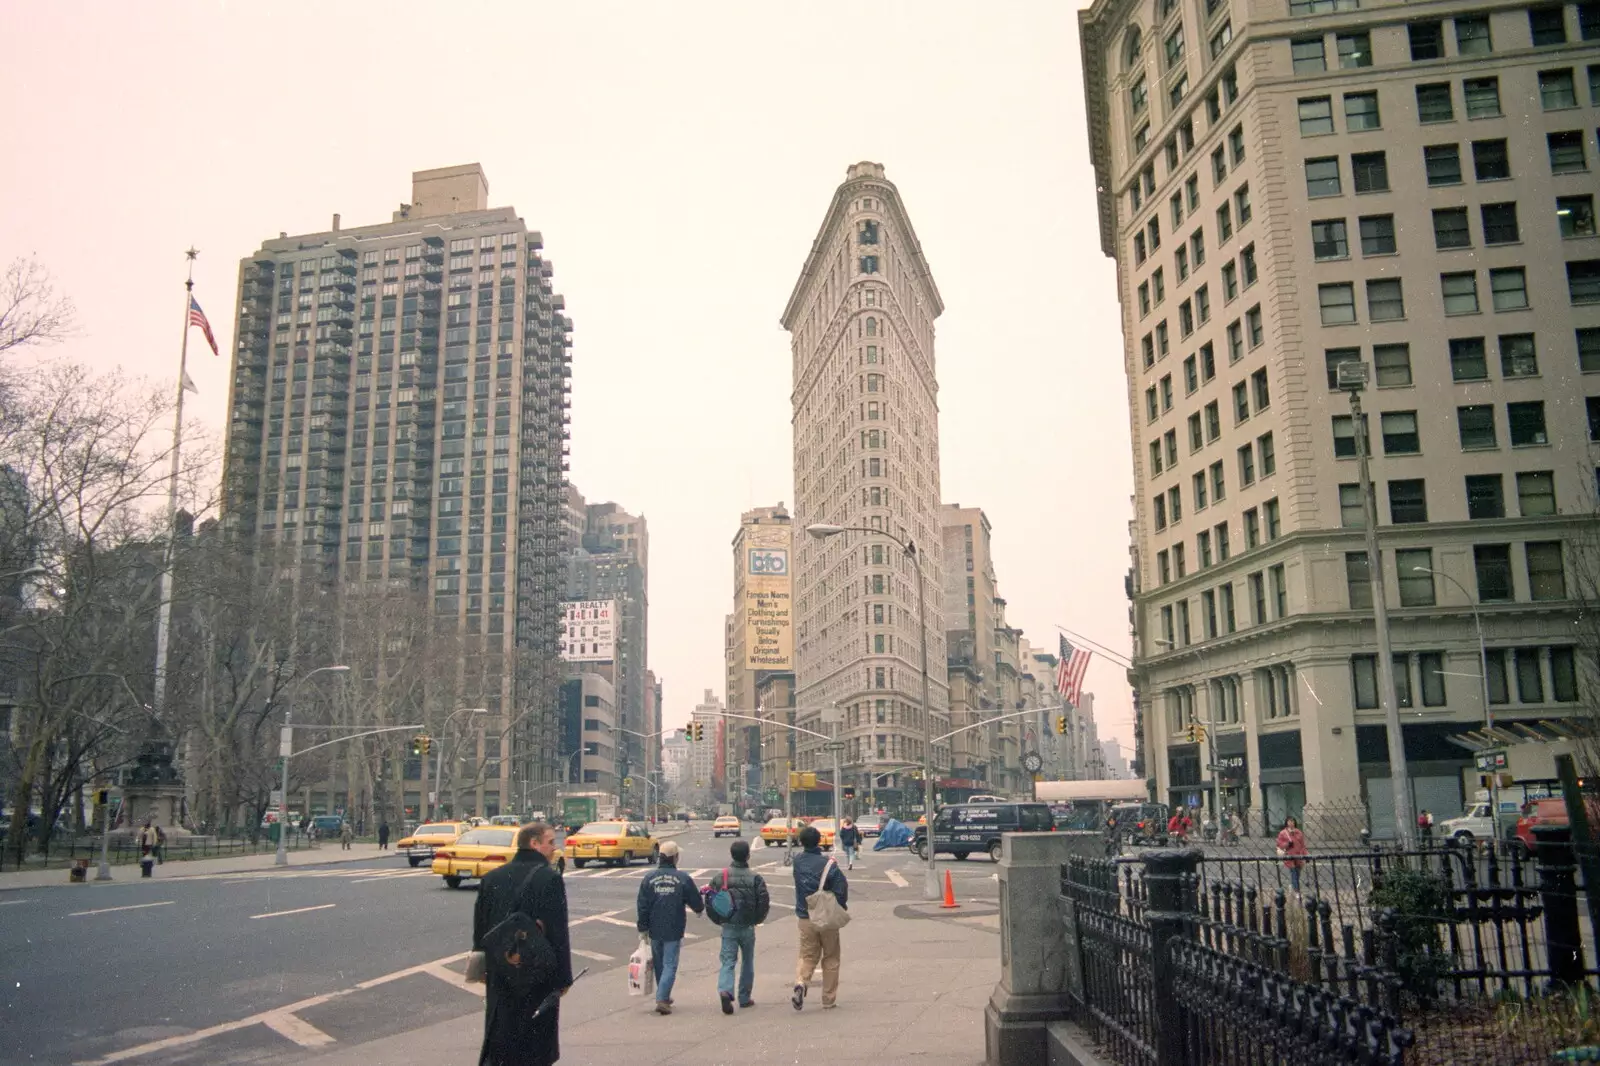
x: 1472, y: 36
x: 1415, y: 572
x: 1566, y: 152
x: 1430, y: 665
x: 1191, y: 191
x: 1361, y: 112
x: 1274, y: 523
x: 1443, y: 163
x: 1241, y: 403
x: 1333, y: 358
x: 1158, y: 286
x: 1385, y: 300
x: 1152, y: 231
x: 1351, y: 514
x: 1556, y: 89
x: 1475, y: 423
x: 1174, y: 47
x: 1547, y: 25
x: 1490, y: 161
x: 1280, y: 592
x: 1482, y: 97
x: 1236, y: 145
x: 1170, y: 438
x: 1337, y: 302
x: 1176, y: 206
x: 1252, y: 528
x: 1322, y: 177
x: 1307, y: 55
x: 1160, y: 507
x: 1408, y: 501
x: 1191, y: 380
x: 1525, y: 422
x: 1220, y: 39
x: 1496, y: 675
x: 1399, y: 430
x: 1219, y: 165
x: 1268, y: 455
x: 1230, y: 280
x: 1163, y: 346
x: 1185, y: 319
x: 1588, y: 350
x: 1247, y: 466
x: 1575, y: 215
x: 1460, y: 293
x: 1592, y: 409
x: 1164, y: 566
x: 1235, y: 342
x: 1427, y: 40
x: 1144, y: 298
x: 1546, y: 578
x: 1518, y: 357
x: 1500, y: 223
x: 1316, y: 115
x: 1358, y: 580
x: 1450, y: 229
x: 1175, y: 505
x: 1392, y: 363
x: 1364, y: 681
x: 1202, y: 304
x: 1224, y: 224
x: 1355, y: 50
x: 1147, y: 346
x: 1179, y: 90
x: 1583, y: 282
x: 1258, y: 385
x: 1213, y: 421
x: 1589, y: 21
x: 1197, y: 247
x: 1241, y: 204
x: 1435, y: 102
x: 1369, y: 171
x: 1219, y: 492
x: 1196, y: 441
x: 1467, y: 361
x: 1484, y: 496
x: 1344, y: 437
x: 1155, y: 457
x: 1530, y: 680
x: 1166, y: 392
x: 1328, y: 240
x: 1377, y: 235
x: 1509, y: 288
x: 1138, y: 248
x: 1247, y: 265
x: 1198, y: 482
x: 1536, y: 493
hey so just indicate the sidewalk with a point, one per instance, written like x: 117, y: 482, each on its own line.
x: 911, y: 993
x: 323, y: 854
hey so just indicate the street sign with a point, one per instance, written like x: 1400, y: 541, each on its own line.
x: 276, y: 798
x: 1492, y: 759
x: 834, y: 745
x: 286, y: 741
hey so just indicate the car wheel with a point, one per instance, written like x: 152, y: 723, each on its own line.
x: 962, y: 855
x: 1465, y: 836
x: 921, y: 849
x: 994, y: 852
x: 413, y: 860
x: 580, y: 863
x: 766, y: 843
x: 655, y: 857
x: 452, y: 881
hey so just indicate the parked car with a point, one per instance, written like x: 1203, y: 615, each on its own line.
x: 960, y: 829
x: 870, y: 824
x: 1142, y: 823
x: 1552, y: 812
x: 327, y: 825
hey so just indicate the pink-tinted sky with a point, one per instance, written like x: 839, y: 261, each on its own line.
x: 678, y: 159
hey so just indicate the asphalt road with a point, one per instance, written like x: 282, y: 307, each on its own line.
x: 276, y: 967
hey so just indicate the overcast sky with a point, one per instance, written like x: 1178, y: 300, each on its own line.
x: 678, y: 159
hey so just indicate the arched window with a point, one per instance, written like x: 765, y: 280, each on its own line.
x: 872, y: 327
x: 1132, y: 47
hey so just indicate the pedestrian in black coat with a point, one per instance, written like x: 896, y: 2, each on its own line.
x: 529, y: 883
x: 383, y: 835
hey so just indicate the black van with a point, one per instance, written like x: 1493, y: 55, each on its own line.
x: 963, y: 828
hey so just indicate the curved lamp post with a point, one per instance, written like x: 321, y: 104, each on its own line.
x: 285, y: 750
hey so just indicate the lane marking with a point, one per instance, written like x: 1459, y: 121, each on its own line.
x: 297, y: 910
x: 592, y: 918
x: 13, y: 902
x: 390, y: 876
x: 451, y: 977
x: 243, y: 881
x: 595, y: 955
x: 293, y: 1027
x: 614, y: 921
x: 129, y: 907
x: 899, y: 881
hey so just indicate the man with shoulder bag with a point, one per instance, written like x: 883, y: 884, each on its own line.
x: 737, y: 900
x: 820, y: 897
x: 521, y: 948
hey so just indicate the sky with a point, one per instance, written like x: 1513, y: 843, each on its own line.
x: 678, y: 159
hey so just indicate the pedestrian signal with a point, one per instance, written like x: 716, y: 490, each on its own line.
x: 102, y: 797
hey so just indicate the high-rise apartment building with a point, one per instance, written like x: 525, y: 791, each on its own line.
x: 866, y: 454
x: 398, y: 421
x: 759, y: 640
x: 1293, y: 185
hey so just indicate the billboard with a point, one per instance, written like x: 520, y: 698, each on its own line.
x: 768, y: 632
x: 588, y: 631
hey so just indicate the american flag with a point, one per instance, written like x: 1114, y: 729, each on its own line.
x: 197, y: 317
x: 1069, y: 674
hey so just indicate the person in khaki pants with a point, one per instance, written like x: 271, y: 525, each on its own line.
x: 814, y: 871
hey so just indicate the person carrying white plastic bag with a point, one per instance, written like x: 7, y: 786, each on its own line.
x: 641, y: 975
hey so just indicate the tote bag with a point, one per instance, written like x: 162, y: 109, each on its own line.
x: 825, y: 911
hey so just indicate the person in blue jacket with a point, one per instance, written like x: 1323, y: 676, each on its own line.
x: 813, y: 872
x: 664, y: 894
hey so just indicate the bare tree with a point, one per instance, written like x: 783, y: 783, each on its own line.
x: 30, y: 311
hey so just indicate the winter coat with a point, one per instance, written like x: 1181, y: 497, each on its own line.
x: 511, y: 1036
x: 808, y: 867
x: 663, y: 895
x: 749, y: 889
x: 848, y: 837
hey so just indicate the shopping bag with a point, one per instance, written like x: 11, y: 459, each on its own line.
x: 825, y: 911
x: 641, y: 975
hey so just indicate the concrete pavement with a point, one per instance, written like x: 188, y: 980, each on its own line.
x: 912, y: 990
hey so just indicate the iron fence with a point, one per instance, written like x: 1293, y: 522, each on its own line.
x: 123, y: 849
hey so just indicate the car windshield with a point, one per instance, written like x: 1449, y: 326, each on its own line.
x: 601, y: 829
x: 777, y: 823
x: 494, y: 838
x: 823, y: 825
x: 441, y: 829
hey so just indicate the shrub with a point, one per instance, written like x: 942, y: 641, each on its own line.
x: 1416, y: 903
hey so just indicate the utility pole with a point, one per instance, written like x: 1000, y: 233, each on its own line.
x: 1352, y: 378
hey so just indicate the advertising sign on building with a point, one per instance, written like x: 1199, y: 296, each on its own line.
x: 588, y: 632
x: 768, y: 636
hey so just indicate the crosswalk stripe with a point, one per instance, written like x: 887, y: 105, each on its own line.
x: 614, y: 921
x: 595, y: 955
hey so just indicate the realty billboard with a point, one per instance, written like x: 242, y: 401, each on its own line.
x: 588, y: 633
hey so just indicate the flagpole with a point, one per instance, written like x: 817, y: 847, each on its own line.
x: 164, y: 617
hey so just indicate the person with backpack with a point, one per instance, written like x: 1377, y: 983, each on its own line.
x: 520, y: 924
x: 664, y: 894
x: 815, y: 872
x: 737, y: 900
x: 849, y: 838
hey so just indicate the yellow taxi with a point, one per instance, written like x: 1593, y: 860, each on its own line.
x: 781, y: 831
x: 473, y: 854
x: 825, y: 827
x: 726, y: 824
x: 617, y: 843
x: 426, y: 839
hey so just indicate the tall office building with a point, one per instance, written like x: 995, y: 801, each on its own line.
x: 399, y: 413
x: 866, y: 453
x: 1286, y: 189
x: 970, y: 593
x: 759, y: 641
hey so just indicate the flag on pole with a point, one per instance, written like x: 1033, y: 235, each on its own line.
x: 188, y: 384
x: 1070, y: 671
x: 197, y: 317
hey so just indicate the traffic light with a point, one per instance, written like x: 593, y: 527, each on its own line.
x: 848, y: 792
x: 1061, y: 724
x: 416, y: 745
x: 697, y: 731
x: 421, y: 744
x: 102, y: 796
x: 1193, y: 736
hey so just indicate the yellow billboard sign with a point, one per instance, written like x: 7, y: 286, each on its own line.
x: 768, y: 621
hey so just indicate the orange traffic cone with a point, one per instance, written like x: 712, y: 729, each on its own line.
x: 949, y: 894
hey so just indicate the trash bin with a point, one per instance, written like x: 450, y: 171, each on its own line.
x: 272, y: 832
x: 79, y: 872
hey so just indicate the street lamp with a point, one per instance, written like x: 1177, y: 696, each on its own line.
x: 438, y: 759
x: 285, y: 750
x: 1483, y: 678
x: 822, y: 531
x: 1352, y: 378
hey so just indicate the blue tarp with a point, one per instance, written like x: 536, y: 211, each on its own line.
x: 894, y: 834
